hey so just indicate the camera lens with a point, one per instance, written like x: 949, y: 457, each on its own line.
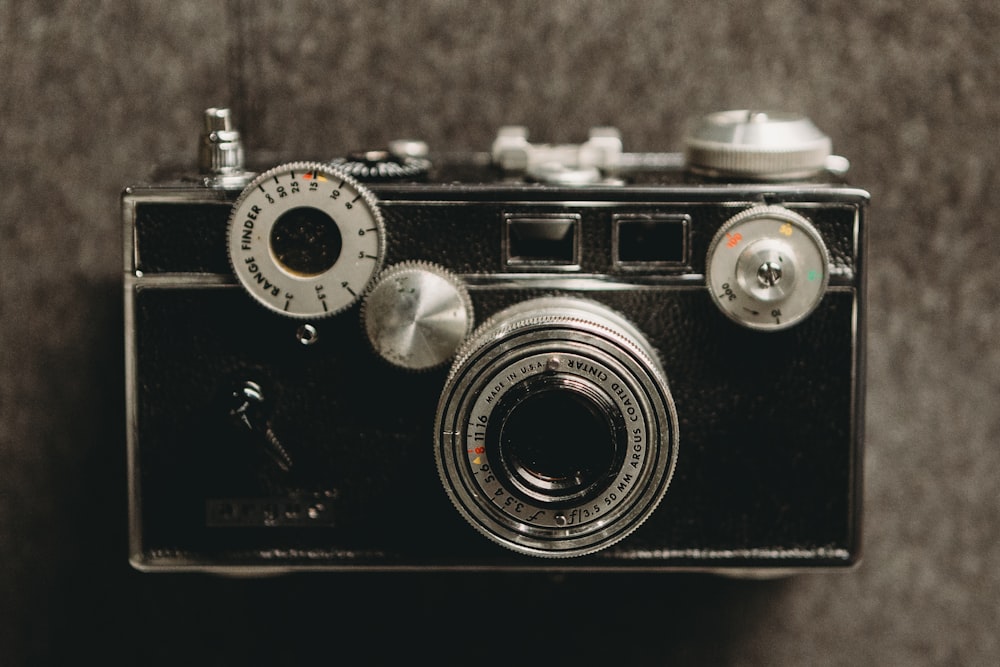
x: 306, y: 241
x: 556, y: 433
x: 558, y: 440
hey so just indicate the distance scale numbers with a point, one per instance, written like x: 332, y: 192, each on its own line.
x: 305, y: 240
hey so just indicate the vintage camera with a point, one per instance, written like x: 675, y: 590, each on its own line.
x: 535, y: 357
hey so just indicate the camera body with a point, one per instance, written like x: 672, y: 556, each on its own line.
x: 533, y: 358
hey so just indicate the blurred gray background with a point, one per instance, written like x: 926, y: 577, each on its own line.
x: 94, y: 93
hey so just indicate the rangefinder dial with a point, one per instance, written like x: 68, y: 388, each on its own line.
x: 305, y: 239
x: 767, y: 268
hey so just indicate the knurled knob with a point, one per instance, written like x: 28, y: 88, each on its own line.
x: 221, y: 150
x: 763, y: 145
x: 417, y: 315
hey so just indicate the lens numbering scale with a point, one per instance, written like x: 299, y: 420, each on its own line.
x: 305, y: 239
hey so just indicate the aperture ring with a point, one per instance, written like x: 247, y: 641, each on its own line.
x: 607, y: 369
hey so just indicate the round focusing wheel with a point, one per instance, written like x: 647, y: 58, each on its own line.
x: 305, y: 240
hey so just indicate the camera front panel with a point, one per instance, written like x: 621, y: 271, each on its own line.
x: 260, y: 441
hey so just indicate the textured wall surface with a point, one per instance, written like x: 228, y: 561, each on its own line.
x: 93, y: 93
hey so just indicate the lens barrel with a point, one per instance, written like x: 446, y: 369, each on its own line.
x: 556, y: 434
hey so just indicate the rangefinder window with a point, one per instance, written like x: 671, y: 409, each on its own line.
x: 539, y: 241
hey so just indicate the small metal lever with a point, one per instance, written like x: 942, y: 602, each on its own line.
x: 250, y: 413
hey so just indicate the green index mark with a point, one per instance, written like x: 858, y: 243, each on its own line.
x: 813, y: 275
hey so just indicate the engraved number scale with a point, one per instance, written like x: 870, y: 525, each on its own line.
x: 305, y: 240
x: 767, y: 268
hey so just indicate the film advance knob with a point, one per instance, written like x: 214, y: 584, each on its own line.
x: 767, y: 268
x: 765, y: 145
x: 417, y: 315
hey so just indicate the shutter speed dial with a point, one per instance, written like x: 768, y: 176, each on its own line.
x: 767, y: 268
x: 306, y: 240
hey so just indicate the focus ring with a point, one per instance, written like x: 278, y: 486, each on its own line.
x: 566, y: 492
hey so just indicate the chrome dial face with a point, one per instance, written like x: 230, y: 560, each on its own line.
x: 416, y: 315
x: 767, y: 268
x: 764, y: 145
x: 306, y: 240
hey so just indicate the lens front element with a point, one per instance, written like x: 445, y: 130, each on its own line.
x: 558, y: 439
x: 556, y: 432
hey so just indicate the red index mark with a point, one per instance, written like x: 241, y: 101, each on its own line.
x: 314, y: 174
x: 734, y: 239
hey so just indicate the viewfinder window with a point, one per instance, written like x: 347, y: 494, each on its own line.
x: 543, y: 241
x: 651, y: 240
